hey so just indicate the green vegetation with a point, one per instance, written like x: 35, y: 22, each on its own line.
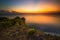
x: 16, y: 29
x: 31, y: 32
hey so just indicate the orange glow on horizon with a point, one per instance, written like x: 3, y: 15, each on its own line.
x: 36, y: 9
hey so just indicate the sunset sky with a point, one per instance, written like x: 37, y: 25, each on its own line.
x: 29, y: 6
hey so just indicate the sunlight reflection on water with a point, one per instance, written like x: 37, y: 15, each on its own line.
x: 41, y: 19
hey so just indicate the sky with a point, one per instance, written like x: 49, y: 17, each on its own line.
x: 30, y: 6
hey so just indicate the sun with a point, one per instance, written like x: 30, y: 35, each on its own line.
x: 30, y: 9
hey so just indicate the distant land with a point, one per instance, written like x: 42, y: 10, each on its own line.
x: 4, y: 12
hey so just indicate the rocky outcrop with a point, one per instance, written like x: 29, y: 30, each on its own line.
x: 16, y: 29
